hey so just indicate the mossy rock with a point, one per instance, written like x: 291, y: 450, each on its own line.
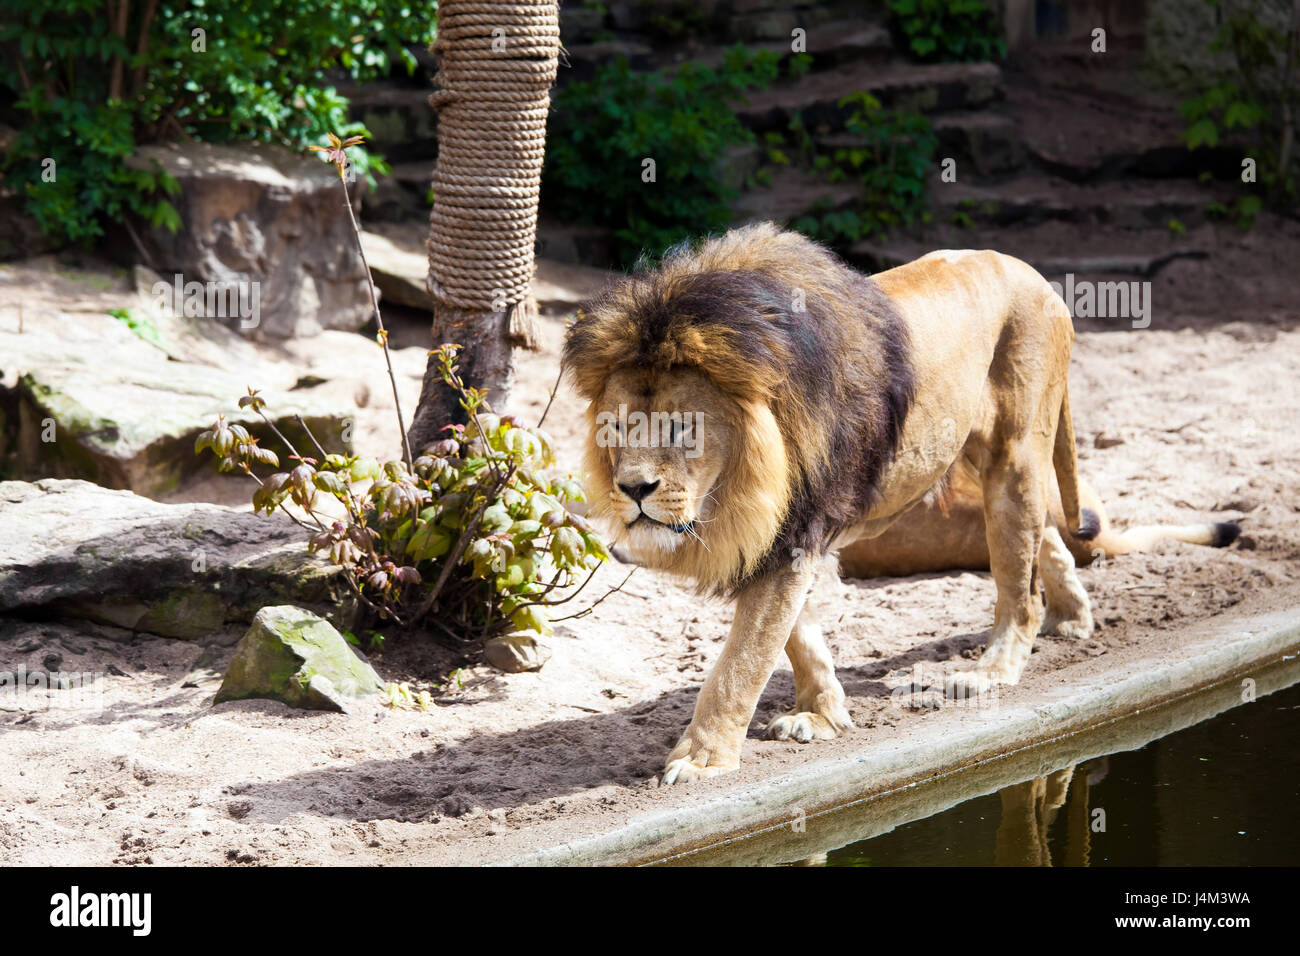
x: 296, y: 657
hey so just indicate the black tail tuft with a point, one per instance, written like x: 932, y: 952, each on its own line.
x: 1089, y: 524
x: 1225, y: 532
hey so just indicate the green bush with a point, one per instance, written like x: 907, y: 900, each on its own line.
x: 600, y: 133
x: 947, y: 31
x: 220, y: 71
x: 1249, y: 103
x: 891, y: 158
x: 471, y: 538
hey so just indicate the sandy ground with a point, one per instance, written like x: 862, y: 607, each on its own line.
x: 1189, y: 420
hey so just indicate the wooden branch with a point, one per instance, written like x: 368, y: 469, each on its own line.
x: 123, y: 10
x: 142, y: 48
x: 1288, y: 87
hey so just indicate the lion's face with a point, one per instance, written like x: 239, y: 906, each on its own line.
x: 663, y: 445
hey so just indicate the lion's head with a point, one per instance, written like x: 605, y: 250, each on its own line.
x: 736, y: 394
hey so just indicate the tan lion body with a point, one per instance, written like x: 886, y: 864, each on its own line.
x: 987, y: 357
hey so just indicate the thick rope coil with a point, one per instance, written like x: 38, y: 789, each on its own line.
x: 497, y: 61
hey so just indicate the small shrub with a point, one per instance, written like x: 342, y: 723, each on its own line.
x: 471, y: 538
x: 947, y: 31
x: 891, y: 161
x: 1251, y: 104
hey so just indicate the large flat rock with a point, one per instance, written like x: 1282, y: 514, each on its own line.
x: 84, y: 395
x: 71, y: 548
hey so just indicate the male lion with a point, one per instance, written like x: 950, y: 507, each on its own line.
x: 803, y: 406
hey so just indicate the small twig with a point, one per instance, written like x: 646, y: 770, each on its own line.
x: 303, y: 423
x: 555, y: 388
x: 278, y: 434
x: 379, y: 321
x: 137, y: 75
x: 591, y: 607
x: 139, y: 246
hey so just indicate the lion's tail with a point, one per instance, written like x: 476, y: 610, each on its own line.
x: 1216, y: 534
x: 1083, y: 523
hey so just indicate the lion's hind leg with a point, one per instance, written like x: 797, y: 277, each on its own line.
x: 1069, y: 614
x: 1014, y: 515
x: 819, y: 712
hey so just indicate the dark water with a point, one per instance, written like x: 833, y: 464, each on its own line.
x: 1224, y: 792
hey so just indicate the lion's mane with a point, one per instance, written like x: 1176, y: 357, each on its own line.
x: 815, y: 365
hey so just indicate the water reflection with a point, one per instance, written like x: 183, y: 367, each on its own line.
x: 1031, y: 809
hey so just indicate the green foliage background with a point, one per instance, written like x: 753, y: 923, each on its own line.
x: 599, y: 132
x: 258, y: 71
x: 947, y: 31
x: 1247, y: 102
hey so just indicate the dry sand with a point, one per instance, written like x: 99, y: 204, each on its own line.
x: 1186, y: 421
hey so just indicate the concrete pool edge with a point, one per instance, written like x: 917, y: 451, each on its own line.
x: 1232, y: 648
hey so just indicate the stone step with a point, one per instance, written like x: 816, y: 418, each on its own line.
x: 928, y: 88
x: 794, y: 192
x: 1035, y: 198
x: 1061, y: 130
x: 985, y: 141
x: 1053, y: 248
x: 724, y: 22
x: 829, y: 44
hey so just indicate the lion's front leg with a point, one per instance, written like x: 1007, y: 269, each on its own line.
x: 819, y: 712
x: 766, y: 611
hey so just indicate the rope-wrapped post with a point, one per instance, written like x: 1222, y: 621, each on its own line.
x: 497, y: 61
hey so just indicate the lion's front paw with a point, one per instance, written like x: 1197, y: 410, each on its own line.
x: 683, y: 770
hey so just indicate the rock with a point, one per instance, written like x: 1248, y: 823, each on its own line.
x: 928, y: 88
x: 516, y: 653
x: 400, y: 266
x: 83, y: 396
x: 268, y: 220
x: 293, y: 656
x: 75, y: 549
x: 987, y: 141
x: 21, y: 236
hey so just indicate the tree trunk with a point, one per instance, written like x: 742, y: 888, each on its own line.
x: 488, y: 341
x: 1288, y: 95
x: 496, y: 63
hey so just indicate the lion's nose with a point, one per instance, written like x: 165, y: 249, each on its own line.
x: 639, y: 493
